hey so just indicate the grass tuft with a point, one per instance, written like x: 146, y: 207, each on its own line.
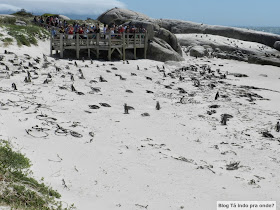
x: 7, y: 41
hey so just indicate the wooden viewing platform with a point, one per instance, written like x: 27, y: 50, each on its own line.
x: 97, y: 42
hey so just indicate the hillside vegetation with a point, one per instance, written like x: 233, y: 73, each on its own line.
x: 18, y: 188
x: 23, y: 35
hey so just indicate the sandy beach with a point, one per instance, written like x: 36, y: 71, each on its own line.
x: 177, y: 157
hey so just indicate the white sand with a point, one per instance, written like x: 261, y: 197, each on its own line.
x: 131, y: 161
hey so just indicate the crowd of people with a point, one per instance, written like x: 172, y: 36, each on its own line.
x: 58, y: 26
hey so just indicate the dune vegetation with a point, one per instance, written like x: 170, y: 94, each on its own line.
x: 18, y: 188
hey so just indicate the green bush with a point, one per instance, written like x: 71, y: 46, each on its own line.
x: 49, y: 14
x: 23, y: 13
x: 10, y: 160
x: 7, y: 41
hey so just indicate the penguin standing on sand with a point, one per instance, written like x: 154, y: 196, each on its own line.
x: 157, y: 106
x: 223, y: 120
x: 14, y: 86
x: 125, y: 109
x: 73, y: 88
x: 217, y: 95
x: 182, y: 100
x: 277, y: 127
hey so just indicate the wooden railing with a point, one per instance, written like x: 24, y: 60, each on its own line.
x: 100, y: 41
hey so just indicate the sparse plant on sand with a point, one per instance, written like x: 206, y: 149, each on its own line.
x: 18, y: 189
x: 158, y: 106
x: 7, y: 41
x: 24, y: 35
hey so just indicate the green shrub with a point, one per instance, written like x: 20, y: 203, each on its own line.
x: 23, y: 13
x: 7, y: 41
x: 10, y: 160
x: 49, y: 14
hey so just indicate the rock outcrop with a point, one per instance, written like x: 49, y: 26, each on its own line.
x: 227, y: 48
x: 187, y: 27
x: 197, y: 51
x: 170, y: 38
x: 161, y: 51
x: 20, y: 23
x: 64, y: 17
x: 165, y: 43
x: 277, y: 45
x: 119, y: 14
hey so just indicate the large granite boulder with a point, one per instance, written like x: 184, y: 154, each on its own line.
x: 165, y: 45
x: 160, y: 50
x: 63, y: 17
x: 20, y: 23
x: 187, y: 27
x: 263, y: 60
x: 198, y: 51
x: 150, y: 27
x: 121, y: 14
x: 277, y: 45
x: 170, y: 38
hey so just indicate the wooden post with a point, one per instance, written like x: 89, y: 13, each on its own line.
x: 109, y: 50
x: 88, y: 46
x: 123, y: 45
x: 135, y: 46
x: 97, y: 44
x: 77, y: 46
x: 51, y: 44
x: 146, y: 45
x: 61, y: 45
